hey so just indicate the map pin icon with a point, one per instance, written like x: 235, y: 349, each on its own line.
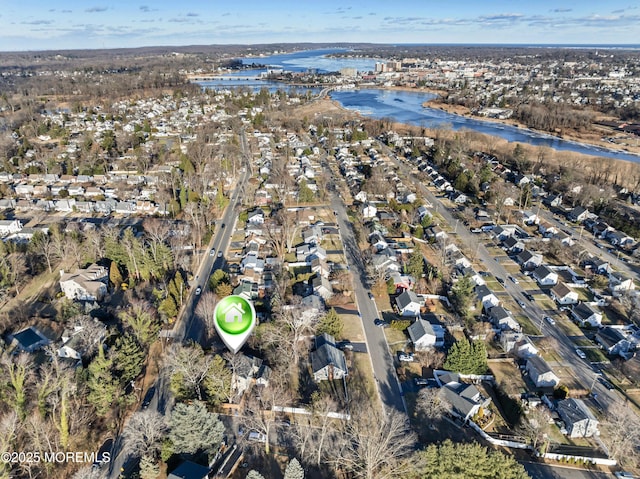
x: 234, y: 320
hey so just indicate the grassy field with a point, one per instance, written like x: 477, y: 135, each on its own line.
x: 527, y: 326
x: 508, y: 376
x: 569, y: 327
x: 352, y: 324
x: 595, y: 355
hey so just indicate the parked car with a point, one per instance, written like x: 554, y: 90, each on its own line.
x: 346, y: 345
x: 420, y: 381
x: 380, y: 323
x: 605, y: 383
x: 257, y: 436
x: 522, y: 304
x: 198, y: 291
x: 529, y: 296
x: 148, y: 397
x: 406, y: 357
x: 500, y: 280
x: 514, y: 279
x: 550, y: 320
x: 212, y: 252
x: 220, y: 254
x: 581, y: 353
x: 371, y: 296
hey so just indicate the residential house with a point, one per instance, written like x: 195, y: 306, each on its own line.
x: 459, y: 198
x: 513, y: 245
x: 402, y: 282
x: 89, y: 284
x: 524, y: 348
x: 529, y: 260
x: 368, y: 211
x: 486, y: 297
x: 540, y: 373
x: 586, y: 314
x: 529, y: 218
x: 245, y: 370
x: 312, y: 234
x: 547, y: 230
x: 8, y: 227
x: 189, y: 470
x: 578, y: 420
x: 502, y: 319
x: 545, y: 276
x: 465, y: 399
x: 552, y: 201
x: 321, y: 287
x: 619, y: 283
x: 423, y: 211
x: 615, y: 342
x: 256, y: 217
x: 408, y: 304
x: 425, y: 334
x: 435, y: 233
x: 29, y: 339
x: 562, y: 294
x: 578, y: 214
x: 328, y: 361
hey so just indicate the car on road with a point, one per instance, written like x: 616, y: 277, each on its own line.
x: 220, y: 254
x: 605, y: 383
x: 500, y: 280
x: 222, y: 225
x: 550, y: 320
x: 198, y: 291
x: 529, y: 296
x: 581, y: 353
x: 514, y: 279
x: 212, y: 252
x: 522, y: 304
x: 371, y: 297
x: 405, y: 357
x: 380, y: 323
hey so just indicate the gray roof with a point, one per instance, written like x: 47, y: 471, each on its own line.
x: 583, y: 311
x: 189, y: 470
x: 542, y: 271
x: 539, y: 364
x: 327, y: 354
x: 420, y: 328
x: 498, y: 313
x: 460, y: 397
x: 482, y: 291
x: 406, y: 298
x: 574, y: 410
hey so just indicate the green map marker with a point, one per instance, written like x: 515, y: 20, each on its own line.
x: 234, y: 319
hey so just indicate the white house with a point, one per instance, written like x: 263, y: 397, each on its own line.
x: 561, y: 294
x: 578, y: 420
x: 408, y: 303
x: 369, y: 211
x: 584, y: 313
x: 540, y: 373
x: 8, y: 227
x: 328, y: 361
x: 503, y: 319
x: 620, y: 283
x: 426, y: 335
x: 88, y: 284
x: 486, y: 297
x: 545, y: 276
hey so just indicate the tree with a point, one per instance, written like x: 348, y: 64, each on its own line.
x: 115, y: 277
x: 415, y: 265
x: 141, y: 317
x: 462, y: 295
x: 217, y: 277
x: 205, y: 309
x: 194, y: 373
x: 535, y: 425
x: 218, y: 382
x: 464, y: 460
x: 430, y: 404
x: 330, y: 323
x: 188, y: 439
x: 149, y: 467
x: 18, y: 370
x: 42, y: 244
x: 128, y: 358
x: 373, y: 445
x: 294, y: 470
x: 621, y: 428
x: 144, y: 432
x: 254, y: 475
x: 223, y: 290
x: 104, y: 389
x: 467, y: 357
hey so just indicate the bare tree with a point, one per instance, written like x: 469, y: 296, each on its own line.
x: 535, y: 425
x: 430, y: 358
x: 373, y: 444
x: 144, y: 431
x: 205, y: 309
x: 157, y: 232
x: 189, y: 367
x: 621, y: 428
x: 430, y: 404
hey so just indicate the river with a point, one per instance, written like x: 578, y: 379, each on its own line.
x: 399, y: 106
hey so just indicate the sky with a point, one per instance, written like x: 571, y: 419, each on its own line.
x: 77, y: 24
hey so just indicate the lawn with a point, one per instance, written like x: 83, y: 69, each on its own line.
x: 352, y: 323
x: 397, y: 340
x: 545, y: 302
x: 527, y: 326
x: 508, y: 376
x: 595, y: 355
x: 569, y: 327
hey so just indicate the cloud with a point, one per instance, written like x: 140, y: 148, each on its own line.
x: 38, y: 22
x: 191, y: 14
x: 96, y: 9
x: 145, y: 8
x: 67, y: 11
x: 226, y: 14
x: 561, y: 10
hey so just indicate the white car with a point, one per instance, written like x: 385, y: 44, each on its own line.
x: 551, y: 321
x: 406, y: 357
x: 581, y: 354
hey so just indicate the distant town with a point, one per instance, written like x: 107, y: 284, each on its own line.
x: 430, y: 301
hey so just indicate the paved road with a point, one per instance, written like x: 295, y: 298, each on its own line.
x: 381, y: 360
x: 544, y: 471
x: 565, y: 346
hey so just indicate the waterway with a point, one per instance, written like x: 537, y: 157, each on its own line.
x: 398, y: 106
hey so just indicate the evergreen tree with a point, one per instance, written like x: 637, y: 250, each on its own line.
x: 330, y: 323
x: 149, y: 467
x: 217, y: 277
x: 294, y: 470
x: 115, y: 277
x: 169, y: 307
x: 467, y: 358
x: 128, y: 358
x: 103, y: 387
x: 464, y: 461
x: 253, y: 474
x: 391, y: 286
x: 223, y: 290
x: 187, y: 438
x: 415, y: 265
x: 462, y: 295
x: 217, y: 384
